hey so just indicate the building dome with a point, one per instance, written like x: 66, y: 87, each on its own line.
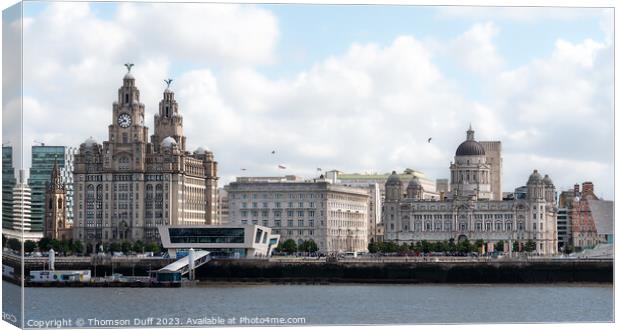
x: 90, y: 142
x: 470, y: 148
x: 414, y: 183
x: 535, y: 178
x: 393, y: 179
x: 168, y: 142
x: 129, y: 76
x: 547, y: 180
x: 201, y: 150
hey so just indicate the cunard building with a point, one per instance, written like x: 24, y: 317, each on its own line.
x: 129, y: 185
x: 469, y: 211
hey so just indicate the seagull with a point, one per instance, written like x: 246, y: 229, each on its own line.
x: 243, y: 169
x: 273, y: 152
x: 429, y: 139
x: 282, y: 167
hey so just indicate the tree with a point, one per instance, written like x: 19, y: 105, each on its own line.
x: 451, y: 245
x: 14, y: 244
x: 499, y: 246
x: 115, y: 247
x: 125, y: 246
x: 152, y: 247
x: 373, y: 247
x: 138, y: 247
x: 515, y: 246
x: 78, y: 247
x: 55, y: 244
x: 310, y: 246
x: 529, y: 246
x: 425, y: 246
x: 288, y: 246
x: 478, y: 244
x: 29, y: 246
x: 464, y: 246
x: 45, y: 243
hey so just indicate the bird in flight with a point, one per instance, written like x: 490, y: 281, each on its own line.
x: 243, y: 169
x: 429, y: 139
x: 282, y: 167
x: 273, y: 152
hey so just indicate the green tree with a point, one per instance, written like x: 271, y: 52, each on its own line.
x: 515, y: 246
x: 78, y: 247
x: 45, y: 244
x: 64, y: 247
x: 310, y: 246
x: 55, y: 244
x: 451, y: 245
x: 373, y: 247
x: 425, y: 246
x: 288, y: 246
x: 478, y: 244
x: 529, y: 246
x: 499, y: 246
x: 464, y: 246
x: 29, y: 246
x: 14, y: 244
x: 115, y: 247
x: 152, y: 247
x: 125, y: 246
x: 138, y: 247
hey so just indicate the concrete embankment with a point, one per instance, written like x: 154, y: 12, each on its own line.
x: 355, y: 271
x: 408, y: 272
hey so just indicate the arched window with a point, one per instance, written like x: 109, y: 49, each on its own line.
x: 126, y: 98
x: 50, y: 204
x: 59, y: 203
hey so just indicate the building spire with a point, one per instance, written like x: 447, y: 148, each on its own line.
x: 470, y: 133
x: 56, y: 180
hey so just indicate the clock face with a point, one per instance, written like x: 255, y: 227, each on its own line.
x: 124, y: 120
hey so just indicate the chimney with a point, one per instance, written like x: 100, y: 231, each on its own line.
x: 587, y: 187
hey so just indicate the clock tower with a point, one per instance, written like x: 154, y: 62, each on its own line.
x: 125, y: 149
x: 168, y: 122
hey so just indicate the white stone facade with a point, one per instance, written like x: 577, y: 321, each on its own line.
x: 127, y: 186
x: 470, y: 211
x: 334, y: 216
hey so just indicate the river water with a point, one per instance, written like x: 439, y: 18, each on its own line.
x: 313, y: 304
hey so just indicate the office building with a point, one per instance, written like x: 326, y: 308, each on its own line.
x: 127, y: 186
x: 334, y: 216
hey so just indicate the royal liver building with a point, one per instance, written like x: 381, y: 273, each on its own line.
x: 127, y: 186
x: 468, y: 211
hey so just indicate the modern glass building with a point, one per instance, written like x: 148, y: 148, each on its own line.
x: 247, y: 241
x: 43, y: 158
x: 8, y: 183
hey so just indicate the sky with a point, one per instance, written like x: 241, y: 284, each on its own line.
x: 352, y: 88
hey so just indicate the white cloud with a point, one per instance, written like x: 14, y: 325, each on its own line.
x: 371, y: 107
x: 475, y: 51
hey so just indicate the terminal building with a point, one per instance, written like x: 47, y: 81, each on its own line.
x: 471, y: 209
x: 243, y: 241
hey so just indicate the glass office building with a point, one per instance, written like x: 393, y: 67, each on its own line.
x: 8, y: 183
x: 43, y: 158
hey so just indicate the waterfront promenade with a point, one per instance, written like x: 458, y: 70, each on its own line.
x: 355, y: 270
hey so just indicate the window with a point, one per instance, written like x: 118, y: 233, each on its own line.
x: 290, y: 223
x: 300, y: 223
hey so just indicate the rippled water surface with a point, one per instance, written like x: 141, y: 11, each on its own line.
x: 324, y: 304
